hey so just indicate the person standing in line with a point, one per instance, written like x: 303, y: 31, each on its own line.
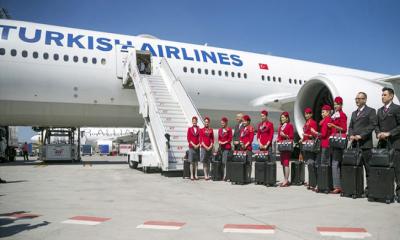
x: 246, y: 140
x: 224, y: 141
x: 207, y: 144
x: 193, y: 139
x: 236, y: 134
x: 362, y: 123
x: 285, y: 133
x: 338, y: 129
x: 25, y: 151
x: 265, y: 132
x: 310, y: 129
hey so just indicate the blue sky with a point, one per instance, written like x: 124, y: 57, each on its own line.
x: 363, y: 34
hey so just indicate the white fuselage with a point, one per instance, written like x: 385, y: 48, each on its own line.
x: 40, y: 91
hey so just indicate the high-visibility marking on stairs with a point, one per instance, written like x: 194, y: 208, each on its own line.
x: 162, y: 225
x: 344, y: 232
x: 249, y: 228
x: 86, y: 220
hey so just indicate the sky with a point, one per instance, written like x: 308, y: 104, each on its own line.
x: 362, y: 34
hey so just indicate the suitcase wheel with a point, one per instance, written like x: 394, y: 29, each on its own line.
x: 371, y: 199
x: 354, y: 196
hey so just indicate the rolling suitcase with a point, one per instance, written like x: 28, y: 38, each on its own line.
x: 352, y: 180
x: 324, y: 178
x: 216, y: 171
x: 381, y: 184
x: 270, y: 174
x: 259, y: 166
x: 312, y: 175
x: 238, y: 173
x: 298, y: 173
x: 186, y: 169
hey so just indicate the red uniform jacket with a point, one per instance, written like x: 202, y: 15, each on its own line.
x: 265, y: 132
x: 286, y: 129
x: 325, y: 131
x: 193, y: 136
x: 339, y: 118
x: 223, y: 136
x: 310, y: 123
x: 207, y: 136
x: 246, y: 136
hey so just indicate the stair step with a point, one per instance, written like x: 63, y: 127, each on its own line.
x: 174, y: 124
x: 166, y: 113
x: 165, y: 104
x: 164, y: 99
x: 180, y: 148
x: 172, y: 129
x: 167, y: 117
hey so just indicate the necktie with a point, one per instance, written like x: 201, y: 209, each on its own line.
x: 385, y: 109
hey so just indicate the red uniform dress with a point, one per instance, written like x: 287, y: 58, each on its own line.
x: 265, y: 132
x: 193, y: 134
x: 286, y: 128
x: 246, y: 137
x: 339, y: 119
x: 310, y: 124
x: 325, y: 131
x: 225, y: 135
x: 207, y: 136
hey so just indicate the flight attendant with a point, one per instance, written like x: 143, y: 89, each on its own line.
x: 285, y: 132
x: 224, y: 141
x: 309, y: 133
x: 265, y: 132
x: 206, y: 149
x: 325, y: 133
x: 246, y: 140
x: 193, y: 138
x: 338, y: 126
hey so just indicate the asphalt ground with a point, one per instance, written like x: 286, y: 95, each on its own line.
x: 102, y: 198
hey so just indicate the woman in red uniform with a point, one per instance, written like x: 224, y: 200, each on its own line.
x: 194, y: 146
x: 285, y: 132
x: 265, y: 132
x: 309, y: 133
x: 339, y: 127
x: 246, y: 140
x: 224, y: 141
x: 207, y: 143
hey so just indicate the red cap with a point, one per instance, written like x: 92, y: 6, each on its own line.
x: 308, y: 110
x: 224, y: 119
x: 246, y: 118
x: 194, y: 117
x: 264, y: 112
x: 286, y: 114
x: 207, y: 118
x: 338, y: 100
x: 326, y: 107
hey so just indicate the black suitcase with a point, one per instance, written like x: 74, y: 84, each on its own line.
x: 270, y: 174
x: 324, y: 178
x: 259, y: 172
x: 381, y: 184
x: 238, y: 174
x: 312, y: 175
x: 298, y: 173
x: 186, y: 169
x: 216, y: 171
x: 352, y: 180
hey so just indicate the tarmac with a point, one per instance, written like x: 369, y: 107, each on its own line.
x: 102, y: 198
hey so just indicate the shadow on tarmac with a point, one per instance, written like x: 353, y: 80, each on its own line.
x: 7, y: 231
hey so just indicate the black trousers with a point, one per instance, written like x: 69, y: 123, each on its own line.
x: 396, y: 164
x: 365, y: 158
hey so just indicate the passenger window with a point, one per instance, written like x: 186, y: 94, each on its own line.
x: 213, y: 72
x: 273, y: 79
x: 84, y: 59
x: 279, y: 79
x: 245, y: 75
x: 184, y: 69
x: 35, y: 55
x: 55, y: 56
x: 94, y: 60
x: 226, y: 74
x: 24, y: 53
x: 290, y: 80
x: 13, y: 52
x: 300, y: 82
x: 239, y: 75
x: 66, y: 58
x: 45, y: 56
x: 263, y: 77
x: 269, y: 78
x: 2, y: 51
x: 199, y: 70
x: 192, y: 70
x: 295, y: 81
x: 103, y: 61
x: 206, y: 71
x: 219, y: 72
x: 233, y: 74
x: 75, y: 58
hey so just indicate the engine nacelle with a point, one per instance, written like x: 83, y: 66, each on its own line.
x: 322, y: 89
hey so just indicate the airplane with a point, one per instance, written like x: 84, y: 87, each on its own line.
x: 58, y: 76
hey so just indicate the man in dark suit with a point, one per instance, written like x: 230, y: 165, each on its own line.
x: 236, y: 135
x: 362, y: 123
x: 388, y: 129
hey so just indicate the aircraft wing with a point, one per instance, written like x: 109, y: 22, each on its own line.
x: 277, y: 102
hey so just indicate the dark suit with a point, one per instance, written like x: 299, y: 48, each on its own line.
x: 389, y: 121
x: 363, y: 123
x: 236, y: 135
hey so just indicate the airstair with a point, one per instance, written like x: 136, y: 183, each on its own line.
x: 167, y: 111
